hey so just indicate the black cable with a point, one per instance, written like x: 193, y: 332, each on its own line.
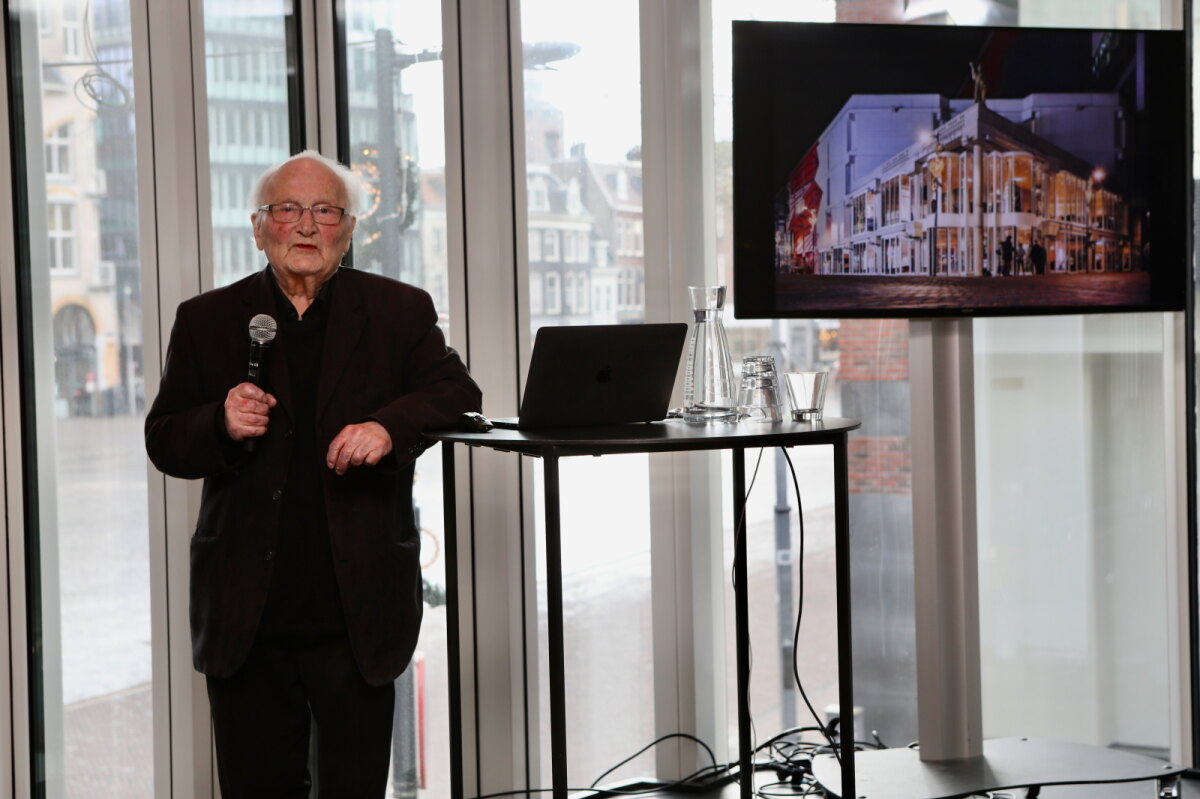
x: 809, y: 788
x: 799, y: 748
x: 715, y: 769
x: 739, y: 531
x: 89, y: 88
x: 739, y: 526
x: 786, y: 733
x: 800, y: 615
x: 615, y: 791
x: 654, y: 743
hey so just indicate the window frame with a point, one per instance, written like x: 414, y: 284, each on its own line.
x: 480, y: 51
x: 58, y: 147
x: 62, y: 239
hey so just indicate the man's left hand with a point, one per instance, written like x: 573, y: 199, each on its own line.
x: 357, y: 445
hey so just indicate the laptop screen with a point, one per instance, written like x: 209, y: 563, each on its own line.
x: 600, y: 374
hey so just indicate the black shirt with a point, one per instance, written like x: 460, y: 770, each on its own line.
x: 303, y: 603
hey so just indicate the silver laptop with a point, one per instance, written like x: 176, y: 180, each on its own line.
x: 599, y: 374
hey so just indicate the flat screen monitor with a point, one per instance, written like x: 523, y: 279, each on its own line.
x: 913, y: 171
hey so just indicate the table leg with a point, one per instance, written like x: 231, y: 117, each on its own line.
x: 554, y: 614
x: 841, y: 500
x: 742, y: 624
x: 450, y: 525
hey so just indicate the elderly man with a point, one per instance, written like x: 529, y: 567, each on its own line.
x: 305, y: 583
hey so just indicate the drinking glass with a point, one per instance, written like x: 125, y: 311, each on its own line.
x: 806, y: 393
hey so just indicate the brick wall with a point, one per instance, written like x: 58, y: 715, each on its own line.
x: 870, y: 10
x: 880, y: 465
x: 873, y: 366
x: 873, y: 349
x: 873, y: 379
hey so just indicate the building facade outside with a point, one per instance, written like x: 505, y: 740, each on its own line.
x: 90, y: 211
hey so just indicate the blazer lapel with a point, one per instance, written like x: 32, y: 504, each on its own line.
x: 342, y: 331
x: 260, y: 298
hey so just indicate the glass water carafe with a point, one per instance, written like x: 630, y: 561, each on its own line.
x: 709, y: 393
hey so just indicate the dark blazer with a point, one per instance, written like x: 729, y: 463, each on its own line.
x: 384, y: 359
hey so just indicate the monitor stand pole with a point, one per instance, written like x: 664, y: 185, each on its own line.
x: 945, y: 554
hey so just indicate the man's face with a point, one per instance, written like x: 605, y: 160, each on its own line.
x: 303, y: 249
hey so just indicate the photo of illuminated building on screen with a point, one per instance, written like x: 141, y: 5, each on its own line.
x: 920, y: 184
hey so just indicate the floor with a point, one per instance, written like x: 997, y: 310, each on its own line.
x: 1137, y: 790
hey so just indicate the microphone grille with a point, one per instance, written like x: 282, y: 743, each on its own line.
x: 262, y: 328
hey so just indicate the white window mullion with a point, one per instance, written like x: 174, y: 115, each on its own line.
x: 679, y: 250
x: 318, y: 31
x: 176, y: 246
x: 486, y: 202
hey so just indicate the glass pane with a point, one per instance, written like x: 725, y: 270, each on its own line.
x: 777, y: 556
x: 1073, y: 503
x: 1194, y: 610
x: 1092, y: 13
x: 1081, y: 371
x: 1073, y: 533
x: 584, y: 185
x: 247, y: 64
x: 89, y: 601
x: 394, y: 99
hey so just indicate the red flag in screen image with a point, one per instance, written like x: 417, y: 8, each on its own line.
x: 805, y: 204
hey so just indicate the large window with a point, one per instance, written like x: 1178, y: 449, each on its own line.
x: 1067, y: 488
x: 87, y: 539
x: 773, y: 511
x: 249, y: 72
x: 1077, y: 436
x: 583, y: 167
x: 393, y: 102
x: 1192, y: 606
x: 1063, y: 487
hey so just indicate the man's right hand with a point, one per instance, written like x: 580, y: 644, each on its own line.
x: 247, y: 409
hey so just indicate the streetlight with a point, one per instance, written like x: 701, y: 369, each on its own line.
x: 869, y: 223
x: 395, y: 211
x: 1092, y: 192
x: 398, y: 185
x: 936, y: 167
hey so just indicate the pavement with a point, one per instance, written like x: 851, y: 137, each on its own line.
x: 103, y: 582
x: 109, y: 746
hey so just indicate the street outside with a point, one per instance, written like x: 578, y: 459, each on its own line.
x: 104, y: 590
x: 105, y: 596
x: 607, y: 614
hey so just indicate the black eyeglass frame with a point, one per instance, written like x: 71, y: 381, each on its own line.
x: 270, y: 208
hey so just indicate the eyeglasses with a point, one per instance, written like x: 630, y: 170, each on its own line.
x: 291, y: 212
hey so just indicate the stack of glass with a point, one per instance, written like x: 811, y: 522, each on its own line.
x: 758, y: 400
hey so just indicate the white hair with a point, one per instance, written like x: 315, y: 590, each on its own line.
x: 355, y: 194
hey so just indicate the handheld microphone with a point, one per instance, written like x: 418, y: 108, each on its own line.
x: 262, y: 333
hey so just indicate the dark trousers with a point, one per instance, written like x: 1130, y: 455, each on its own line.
x: 261, y: 722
